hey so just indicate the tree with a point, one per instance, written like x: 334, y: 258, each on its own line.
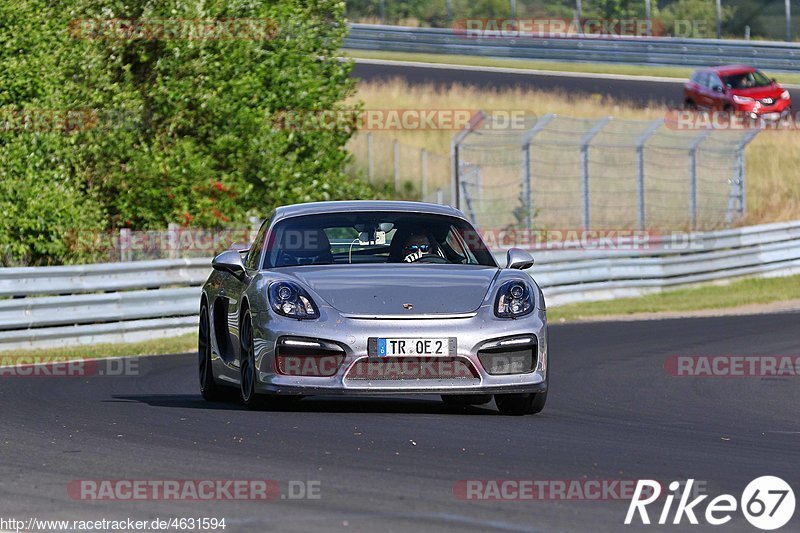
x: 183, y: 128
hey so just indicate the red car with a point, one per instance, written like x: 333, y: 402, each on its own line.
x: 739, y: 89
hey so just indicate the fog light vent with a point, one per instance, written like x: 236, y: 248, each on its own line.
x: 503, y: 358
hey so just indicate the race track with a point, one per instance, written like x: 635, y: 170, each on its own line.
x: 639, y: 92
x: 391, y: 464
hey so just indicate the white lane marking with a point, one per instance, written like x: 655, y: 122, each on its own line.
x: 531, y: 72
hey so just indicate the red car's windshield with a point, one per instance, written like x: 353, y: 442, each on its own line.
x: 747, y: 80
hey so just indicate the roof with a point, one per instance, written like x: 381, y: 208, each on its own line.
x: 316, y: 208
x: 731, y: 69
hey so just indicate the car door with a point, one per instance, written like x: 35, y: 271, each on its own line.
x: 703, y: 99
x: 235, y: 289
x: 716, y: 93
x: 228, y: 305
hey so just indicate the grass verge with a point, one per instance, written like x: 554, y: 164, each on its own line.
x: 182, y: 344
x: 707, y: 297
x: 679, y: 73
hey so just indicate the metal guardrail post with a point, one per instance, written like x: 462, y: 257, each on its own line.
x: 370, y: 158
x: 125, y: 244
x: 423, y: 163
x: 455, y: 159
x: 527, y: 186
x: 693, y: 177
x: 173, y: 240
x: 396, y: 166
x: 585, y: 140
x: 527, y: 177
x: 738, y: 193
x: 470, y: 210
x: 640, y: 142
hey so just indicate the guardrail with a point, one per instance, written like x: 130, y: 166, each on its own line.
x: 57, y: 306
x: 642, y: 50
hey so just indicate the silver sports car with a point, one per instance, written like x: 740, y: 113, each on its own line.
x: 373, y: 297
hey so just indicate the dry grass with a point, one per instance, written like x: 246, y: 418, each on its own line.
x: 772, y: 159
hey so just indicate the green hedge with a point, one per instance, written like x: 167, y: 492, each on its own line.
x: 168, y: 130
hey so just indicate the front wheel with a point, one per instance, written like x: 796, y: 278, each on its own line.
x: 247, y: 363
x: 520, y: 404
x: 208, y: 387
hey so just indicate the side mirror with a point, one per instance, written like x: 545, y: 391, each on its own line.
x: 519, y: 259
x: 718, y: 88
x: 229, y: 261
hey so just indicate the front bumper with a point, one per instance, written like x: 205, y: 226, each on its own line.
x: 780, y: 109
x: 472, y: 333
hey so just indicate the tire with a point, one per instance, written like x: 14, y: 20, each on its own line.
x: 247, y: 364
x: 520, y: 404
x: 462, y: 400
x: 689, y: 104
x: 208, y: 387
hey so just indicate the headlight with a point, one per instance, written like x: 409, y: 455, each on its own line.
x: 514, y: 299
x: 742, y: 99
x: 289, y: 299
x: 785, y: 95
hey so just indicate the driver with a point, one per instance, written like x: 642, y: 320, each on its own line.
x: 417, y: 246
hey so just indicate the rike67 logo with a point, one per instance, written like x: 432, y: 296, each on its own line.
x: 767, y: 502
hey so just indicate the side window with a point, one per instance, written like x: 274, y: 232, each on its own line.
x: 701, y: 78
x: 454, y: 241
x: 714, y: 81
x: 254, y: 255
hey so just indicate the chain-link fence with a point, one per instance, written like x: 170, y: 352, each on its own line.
x: 586, y: 173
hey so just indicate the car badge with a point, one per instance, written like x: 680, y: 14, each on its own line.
x: 408, y: 306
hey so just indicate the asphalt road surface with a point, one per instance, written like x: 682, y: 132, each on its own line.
x: 642, y: 92
x: 388, y: 464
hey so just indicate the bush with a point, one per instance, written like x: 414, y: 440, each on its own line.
x: 183, y: 131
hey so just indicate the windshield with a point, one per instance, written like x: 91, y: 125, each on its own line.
x: 747, y: 80
x: 375, y: 237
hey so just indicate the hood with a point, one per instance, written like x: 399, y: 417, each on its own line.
x: 770, y: 91
x: 381, y: 290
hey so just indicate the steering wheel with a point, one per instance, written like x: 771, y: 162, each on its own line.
x: 431, y: 258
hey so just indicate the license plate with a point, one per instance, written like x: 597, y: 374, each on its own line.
x: 391, y: 347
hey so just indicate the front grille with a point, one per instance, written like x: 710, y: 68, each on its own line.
x: 412, y: 368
